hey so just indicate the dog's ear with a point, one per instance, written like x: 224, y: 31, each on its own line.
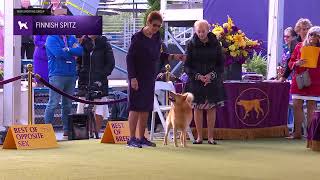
x: 184, y: 96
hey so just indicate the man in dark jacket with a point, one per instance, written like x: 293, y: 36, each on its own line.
x: 95, y: 66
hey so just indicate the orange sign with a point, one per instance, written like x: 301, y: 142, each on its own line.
x: 37, y: 136
x: 311, y: 55
x: 117, y: 132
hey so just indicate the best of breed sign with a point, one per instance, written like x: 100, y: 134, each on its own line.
x: 118, y: 132
x: 35, y: 136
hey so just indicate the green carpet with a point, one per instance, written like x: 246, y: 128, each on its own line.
x: 263, y: 159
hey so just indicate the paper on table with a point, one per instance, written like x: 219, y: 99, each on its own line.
x: 310, y: 54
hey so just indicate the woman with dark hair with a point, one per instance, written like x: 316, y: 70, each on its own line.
x: 143, y: 55
x: 290, y: 39
x: 301, y: 28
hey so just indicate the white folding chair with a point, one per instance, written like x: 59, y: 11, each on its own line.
x: 160, y: 109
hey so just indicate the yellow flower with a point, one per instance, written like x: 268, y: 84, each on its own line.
x: 229, y: 38
x: 249, y: 42
x: 218, y: 30
x: 230, y: 22
x: 225, y: 25
x: 245, y: 53
x: 232, y: 48
x: 239, y: 40
x: 233, y: 54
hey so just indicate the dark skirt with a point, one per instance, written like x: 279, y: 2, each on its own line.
x: 142, y: 99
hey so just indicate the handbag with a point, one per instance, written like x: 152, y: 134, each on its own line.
x: 303, y: 79
x: 78, y: 127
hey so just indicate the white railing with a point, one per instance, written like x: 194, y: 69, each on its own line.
x: 181, y: 34
x: 181, y: 4
x: 121, y: 37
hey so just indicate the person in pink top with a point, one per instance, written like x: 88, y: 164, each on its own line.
x: 312, y: 39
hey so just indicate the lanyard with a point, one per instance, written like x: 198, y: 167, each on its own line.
x: 65, y: 40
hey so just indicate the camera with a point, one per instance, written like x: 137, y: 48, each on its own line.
x: 95, y: 91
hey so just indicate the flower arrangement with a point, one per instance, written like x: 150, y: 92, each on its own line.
x: 1, y: 71
x: 236, y: 45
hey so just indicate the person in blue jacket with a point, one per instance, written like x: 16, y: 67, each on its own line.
x: 61, y: 51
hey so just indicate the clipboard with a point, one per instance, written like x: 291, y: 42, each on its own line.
x: 311, y: 55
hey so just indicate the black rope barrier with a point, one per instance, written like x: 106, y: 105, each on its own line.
x: 75, y: 98
x: 10, y: 80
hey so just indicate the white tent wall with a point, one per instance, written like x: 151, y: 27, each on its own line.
x: 275, y: 30
x: 12, y: 64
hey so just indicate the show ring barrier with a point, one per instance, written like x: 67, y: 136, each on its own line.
x: 31, y: 136
x: 38, y: 136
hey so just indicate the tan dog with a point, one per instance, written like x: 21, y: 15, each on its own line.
x: 250, y: 105
x: 179, y: 117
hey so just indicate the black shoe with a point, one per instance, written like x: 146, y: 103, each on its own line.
x: 197, y: 142
x: 134, y: 143
x: 145, y: 142
x: 213, y: 142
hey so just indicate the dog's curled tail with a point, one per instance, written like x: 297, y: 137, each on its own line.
x: 190, y: 97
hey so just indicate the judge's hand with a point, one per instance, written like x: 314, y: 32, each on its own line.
x: 179, y: 57
x: 299, y: 62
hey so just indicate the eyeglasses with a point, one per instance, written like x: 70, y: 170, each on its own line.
x: 156, y: 25
x: 314, y: 35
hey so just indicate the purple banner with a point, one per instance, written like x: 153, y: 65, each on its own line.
x: 57, y: 25
x: 254, y: 105
x: 252, y: 15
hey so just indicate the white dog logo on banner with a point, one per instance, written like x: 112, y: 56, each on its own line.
x: 23, y: 25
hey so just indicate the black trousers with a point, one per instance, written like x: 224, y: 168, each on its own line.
x: 27, y: 50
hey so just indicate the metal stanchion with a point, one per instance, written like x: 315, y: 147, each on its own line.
x: 30, y: 69
x: 168, y: 68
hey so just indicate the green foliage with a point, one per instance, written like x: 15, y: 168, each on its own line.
x: 154, y: 6
x: 258, y: 64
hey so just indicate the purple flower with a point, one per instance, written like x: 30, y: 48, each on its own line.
x: 228, y: 61
x: 235, y: 28
x: 184, y: 78
x: 225, y: 30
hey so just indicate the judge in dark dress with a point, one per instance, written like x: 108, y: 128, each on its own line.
x: 143, y: 56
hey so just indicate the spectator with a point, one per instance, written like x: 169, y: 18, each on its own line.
x: 61, y: 50
x: 97, y: 64
x: 311, y: 39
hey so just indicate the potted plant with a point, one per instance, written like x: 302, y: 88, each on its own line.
x: 257, y: 63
